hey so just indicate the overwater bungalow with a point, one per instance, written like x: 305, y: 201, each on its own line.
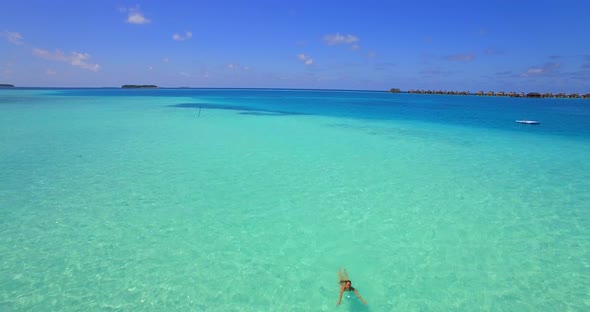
x: 533, y: 95
x: 499, y: 93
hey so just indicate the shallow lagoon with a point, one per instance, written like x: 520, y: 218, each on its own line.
x: 250, y: 200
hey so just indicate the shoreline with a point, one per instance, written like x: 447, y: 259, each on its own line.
x: 498, y: 94
x: 411, y: 91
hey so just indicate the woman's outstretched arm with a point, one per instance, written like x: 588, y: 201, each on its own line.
x: 358, y: 295
x: 340, y: 296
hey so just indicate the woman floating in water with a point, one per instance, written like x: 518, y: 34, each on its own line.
x: 346, y: 285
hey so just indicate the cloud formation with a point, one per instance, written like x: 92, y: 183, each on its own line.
x: 384, y: 66
x: 135, y: 16
x: 467, y: 57
x: 12, y: 37
x: 505, y: 73
x: 492, y: 51
x: 341, y: 39
x: 5, y: 69
x: 307, y: 60
x: 547, y: 69
x: 74, y: 58
x: 187, y: 35
x: 237, y: 66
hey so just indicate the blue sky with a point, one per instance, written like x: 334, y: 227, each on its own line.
x: 450, y: 45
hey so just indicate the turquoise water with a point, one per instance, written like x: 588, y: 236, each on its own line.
x: 250, y: 200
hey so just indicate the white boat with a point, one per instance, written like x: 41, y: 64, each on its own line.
x: 529, y: 122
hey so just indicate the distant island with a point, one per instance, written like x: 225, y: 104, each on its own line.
x: 5, y: 85
x: 139, y: 86
x: 500, y: 93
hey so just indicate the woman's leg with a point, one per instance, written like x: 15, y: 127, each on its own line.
x: 342, y: 276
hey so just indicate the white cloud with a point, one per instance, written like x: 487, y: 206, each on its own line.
x: 165, y: 60
x: 135, y: 16
x: 341, y: 39
x: 534, y: 71
x: 238, y: 67
x: 50, y: 72
x: 547, y: 69
x: 187, y: 35
x: 13, y: 37
x: 6, y: 69
x: 492, y: 51
x: 307, y: 60
x: 74, y: 58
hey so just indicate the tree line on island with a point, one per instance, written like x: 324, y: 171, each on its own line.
x: 500, y: 93
x: 129, y: 86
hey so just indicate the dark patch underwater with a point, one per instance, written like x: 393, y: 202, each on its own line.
x: 244, y: 110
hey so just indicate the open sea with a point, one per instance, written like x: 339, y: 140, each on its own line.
x: 251, y: 199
